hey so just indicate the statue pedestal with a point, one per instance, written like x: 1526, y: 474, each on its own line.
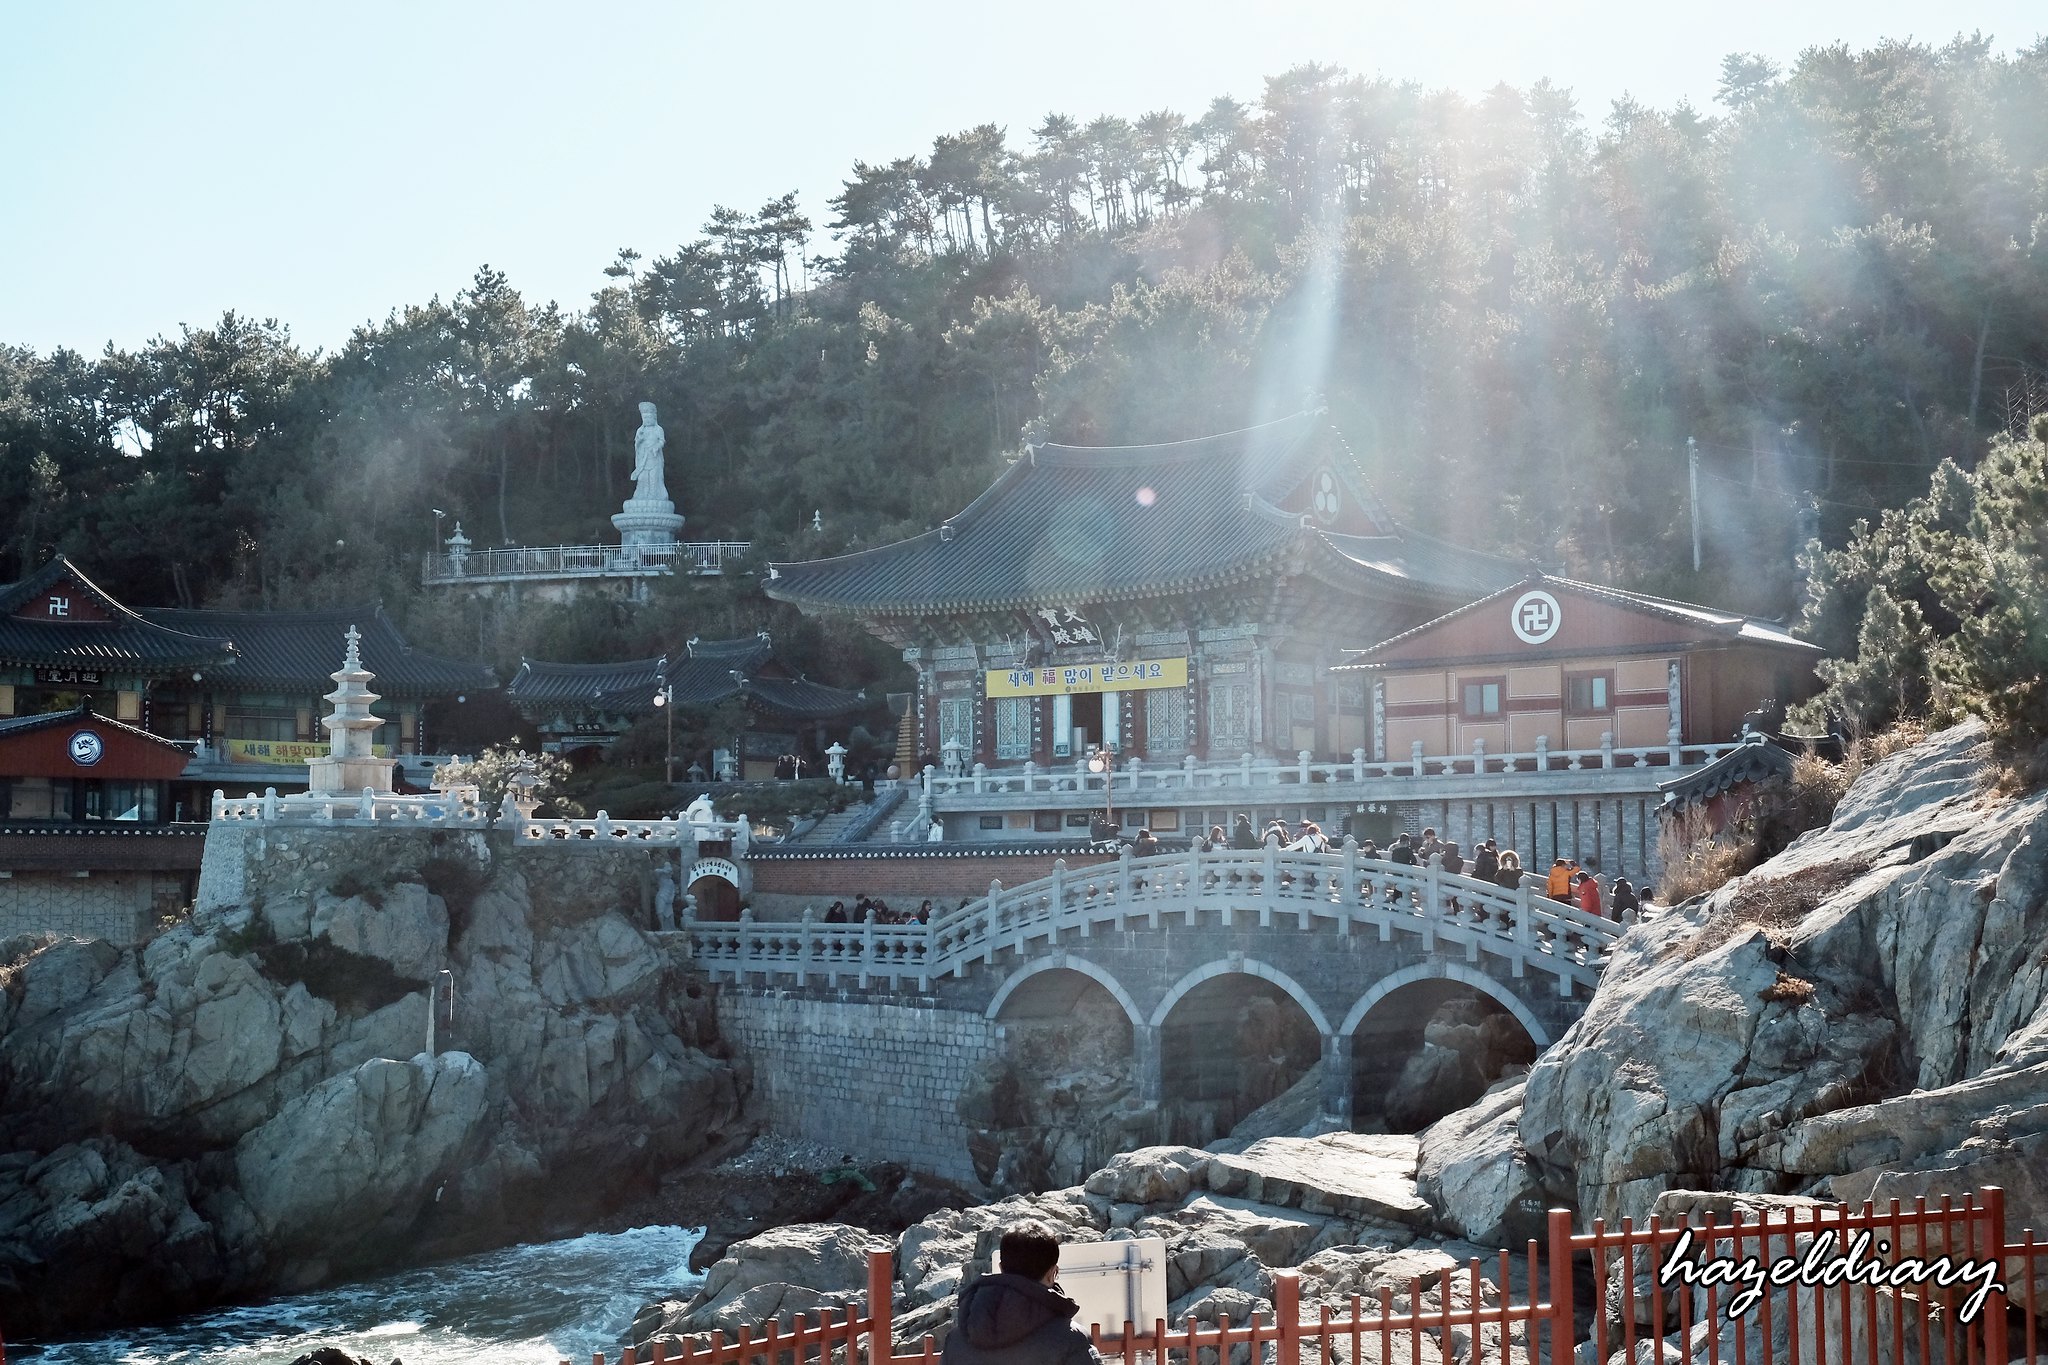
x: 647, y: 524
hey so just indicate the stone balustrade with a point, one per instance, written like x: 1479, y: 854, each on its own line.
x: 1249, y: 774
x: 463, y: 809
x: 1281, y: 891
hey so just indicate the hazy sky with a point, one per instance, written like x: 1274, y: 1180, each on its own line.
x: 322, y: 164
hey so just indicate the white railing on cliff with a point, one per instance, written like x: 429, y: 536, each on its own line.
x: 1341, y: 892
x: 696, y: 557
x: 462, y: 809
x: 1249, y: 773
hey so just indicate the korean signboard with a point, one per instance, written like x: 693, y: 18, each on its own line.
x: 285, y: 753
x: 1057, y: 679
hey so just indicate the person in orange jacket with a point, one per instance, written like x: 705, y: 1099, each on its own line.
x: 1559, y: 887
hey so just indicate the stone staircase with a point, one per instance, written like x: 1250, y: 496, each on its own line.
x: 834, y: 827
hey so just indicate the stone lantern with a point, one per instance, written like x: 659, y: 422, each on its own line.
x: 458, y: 550
x: 835, y: 761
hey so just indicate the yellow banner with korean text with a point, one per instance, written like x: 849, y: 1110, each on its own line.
x: 1061, y: 679
x: 284, y: 752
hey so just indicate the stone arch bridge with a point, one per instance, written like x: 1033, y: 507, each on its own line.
x: 869, y: 1033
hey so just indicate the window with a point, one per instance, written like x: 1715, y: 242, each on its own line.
x: 956, y: 722
x: 1481, y: 697
x: 1166, y: 721
x: 989, y: 822
x: 37, y: 798
x: 1080, y: 819
x: 249, y: 722
x: 1045, y: 821
x: 1013, y: 727
x: 1589, y: 693
x: 1230, y: 717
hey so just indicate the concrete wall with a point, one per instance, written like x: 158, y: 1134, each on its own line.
x: 877, y: 1079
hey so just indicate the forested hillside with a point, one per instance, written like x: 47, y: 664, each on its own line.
x: 1516, y: 310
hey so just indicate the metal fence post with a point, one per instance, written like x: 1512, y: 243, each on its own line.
x: 1561, y: 1326
x: 881, y: 1306
x: 1287, y: 1316
x: 1993, y: 1313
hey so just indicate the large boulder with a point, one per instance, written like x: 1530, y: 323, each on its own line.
x: 1472, y: 1168
x: 346, y: 1170
x: 1867, y: 1011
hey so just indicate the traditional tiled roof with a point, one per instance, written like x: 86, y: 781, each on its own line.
x: 13, y: 726
x: 748, y: 651
x: 299, y: 650
x: 1702, y: 622
x: 126, y: 640
x: 625, y: 688
x: 1758, y: 762
x: 1073, y: 524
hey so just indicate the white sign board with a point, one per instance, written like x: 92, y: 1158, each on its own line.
x: 1115, y: 1282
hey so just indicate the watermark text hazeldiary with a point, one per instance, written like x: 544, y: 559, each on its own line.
x: 1823, y: 1266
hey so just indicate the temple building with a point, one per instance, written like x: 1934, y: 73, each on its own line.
x: 580, y: 709
x: 1159, y: 601
x: 239, y: 690
x: 1165, y: 637
x: 1555, y: 664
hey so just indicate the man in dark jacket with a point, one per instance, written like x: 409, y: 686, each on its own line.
x: 1018, y: 1317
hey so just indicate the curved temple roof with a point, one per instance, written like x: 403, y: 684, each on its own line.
x: 714, y: 671
x: 1078, y: 524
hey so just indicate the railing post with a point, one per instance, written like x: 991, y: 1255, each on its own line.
x: 1059, y: 900
x: 1358, y: 765
x: 1187, y: 769
x: 1287, y: 1316
x: 1432, y: 900
x: 1268, y: 884
x: 1123, y: 881
x: 1301, y: 758
x: 1415, y: 758
x: 1349, y: 900
x: 980, y: 778
x: 1244, y: 769
x: 992, y: 921
x: 1561, y: 1327
x: 806, y: 946
x: 1607, y: 748
x: 881, y: 1306
x: 269, y: 805
x: 1525, y: 928
x: 1131, y: 772
x: 1992, y: 1315
x: 1542, y: 756
x: 1479, y: 758
x: 867, y: 944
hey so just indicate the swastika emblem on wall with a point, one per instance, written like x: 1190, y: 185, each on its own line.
x: 1535, y: 617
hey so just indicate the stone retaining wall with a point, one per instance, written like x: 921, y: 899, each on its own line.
x: 119, y: 907
x: 880, y: 1080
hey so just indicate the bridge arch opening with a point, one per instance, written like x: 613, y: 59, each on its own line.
x: 1052, y: 1104
x: 1427, y: 1045
x: 1229, y: 1044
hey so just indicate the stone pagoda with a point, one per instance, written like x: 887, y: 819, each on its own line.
x: 351, y: 765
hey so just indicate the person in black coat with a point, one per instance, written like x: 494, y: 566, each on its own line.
x: 1019, y: 1316
x: 1403, y: 850
x: 1241, y: 834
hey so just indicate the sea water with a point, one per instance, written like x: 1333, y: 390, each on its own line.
x: 524, y: 1305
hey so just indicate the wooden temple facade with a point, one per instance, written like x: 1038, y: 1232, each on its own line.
x: 1160, y: 602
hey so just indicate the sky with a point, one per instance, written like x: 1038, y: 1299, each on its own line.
x: 323, y: 165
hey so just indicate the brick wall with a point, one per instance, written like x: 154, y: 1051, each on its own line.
x: 878, y: 1080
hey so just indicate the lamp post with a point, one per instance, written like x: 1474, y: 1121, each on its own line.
x: 1099, y: 762
x: 436, y: 549
x: 665, y: 699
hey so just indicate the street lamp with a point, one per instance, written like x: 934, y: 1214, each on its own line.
x: 1099, y: 761
x: 665, y: 699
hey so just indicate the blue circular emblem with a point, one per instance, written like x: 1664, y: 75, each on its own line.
x: 87, y: 748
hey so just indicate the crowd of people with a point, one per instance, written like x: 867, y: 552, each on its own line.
x: 866, y: 908
x: 1567, y: 880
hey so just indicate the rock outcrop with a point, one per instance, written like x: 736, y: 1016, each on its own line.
x: 1341, y: 1208
x: 1864, y: 1016
x: 244, y: 1104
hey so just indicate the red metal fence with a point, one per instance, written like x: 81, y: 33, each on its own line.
x: 1919, y: 1285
